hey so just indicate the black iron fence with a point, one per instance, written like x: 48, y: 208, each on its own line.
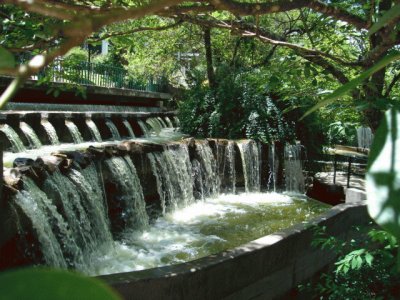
x: 97, y: 74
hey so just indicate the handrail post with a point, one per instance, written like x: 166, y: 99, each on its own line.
x: 349, y: 172
x: 334, y: 168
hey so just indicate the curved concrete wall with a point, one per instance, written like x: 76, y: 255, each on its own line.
x: 266, y: 268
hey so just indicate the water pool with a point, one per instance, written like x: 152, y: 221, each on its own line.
x: 204, y: 228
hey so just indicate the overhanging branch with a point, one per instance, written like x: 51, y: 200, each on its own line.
x: 241, y: 9
x: 249, y: 30
x: 135, y: 30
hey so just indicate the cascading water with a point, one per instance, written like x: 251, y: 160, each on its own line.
x: 144, y: 128
x: 129, y: 128
x: 58, y: 245
x: 162, y: 179
x: 250, y: 153
x: 74, y: 211
x: 177, y: 122
x: 225, y: 157
x: 51, y: 131
x: 364, y: 137
x: 130, y: 197
x: 273, y: 168
x: 155, y: 125
x: 30, y: 135
x: 294, y: 177
x: 89, y: 186
x: 161, y: 121
x: 168, y: 120
x: 61, y: 189
x: 13, y: 137
x: 173, y: 173
x: 74, y: 131
x: 229, y: 167
x: 94, y: 130
x: 113, y: 129
x: 204, y: 168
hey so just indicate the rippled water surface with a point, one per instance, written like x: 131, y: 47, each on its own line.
x: 205, y: 228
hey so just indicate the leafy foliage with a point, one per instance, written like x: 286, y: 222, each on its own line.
x: 365, y: 268
x: 342, y: 133
x: 235, y: 110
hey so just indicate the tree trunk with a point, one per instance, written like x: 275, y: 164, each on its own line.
x: 209, y: 59
x: 373, y: 90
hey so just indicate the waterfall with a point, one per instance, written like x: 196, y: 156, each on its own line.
x: 226, y: 166
x: 61, y: 189
x: 294, y: 177
x: 168, y: 120
x: 130, y: 194
x: 173, y: 172
x: 89, y: 187
x: 273, y: 172
x: 129, y: 128
x: 81, y: 234
x: 205, y: 171
x: 74, y: 131
x: 143, y: 126
x: 13, y: 137
x: 250, y: 154
x: 30, y: 135
x: 158, y: 122
x: 69, y: 209
x: 177, y: 122
x: 155, y: 125
x: 163, y: 181
x: 163, y: 124
x: 114, y: 131
x: 364, y: 137
x: 94, y: 130
x: 51, y: 131
x: 57, y: 243
x: 229, y: 163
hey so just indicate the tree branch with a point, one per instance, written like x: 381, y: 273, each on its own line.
x: 267, y: 58
x: 242, y: 29
x: 389, y: 41
x: 38, y: 45
x: 241, y: 9
x: 74, y: 32
x: 34, y: 66
x: 246, y: 29
x: 44, y: 9
x: 135, y: 30
x: 395, y: 79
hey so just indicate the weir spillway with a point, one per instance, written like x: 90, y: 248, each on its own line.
x: 109, y: 192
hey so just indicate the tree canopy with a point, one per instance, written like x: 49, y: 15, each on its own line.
x: 297, y: 47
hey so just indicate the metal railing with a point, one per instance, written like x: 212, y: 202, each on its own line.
x: 96, y: 74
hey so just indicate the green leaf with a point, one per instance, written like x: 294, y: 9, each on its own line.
x: 369, y: 258
x: 383, y: 176
x: 344, y: 89
x: 387, y: 17
x: 42, y: 284
x: 354, y: 264
x: 7, y: 60
x: 359, y: 262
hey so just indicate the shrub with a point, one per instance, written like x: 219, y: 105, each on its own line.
x: 365, y: 269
